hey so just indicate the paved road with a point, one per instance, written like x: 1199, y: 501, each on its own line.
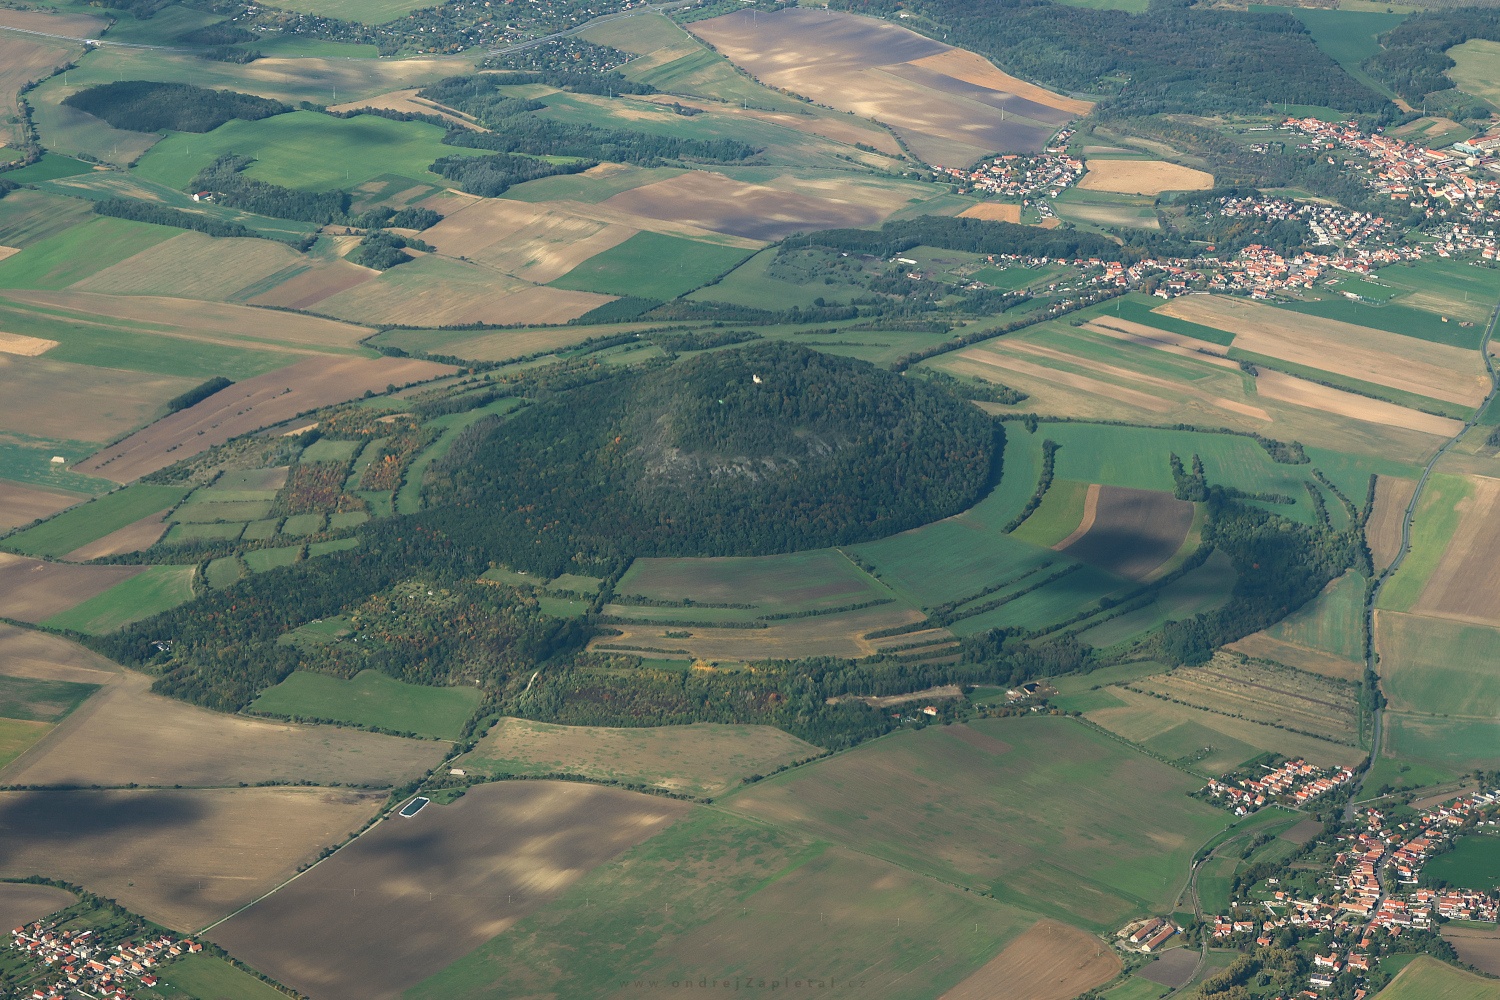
x: 1406, y: 523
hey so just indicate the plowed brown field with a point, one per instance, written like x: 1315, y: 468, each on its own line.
x: 21, y: 903
x: 23, y: 504
x: 1051, y: 961
x: 1133, y: 531
x: 32, y: 590
x: 133, y: 537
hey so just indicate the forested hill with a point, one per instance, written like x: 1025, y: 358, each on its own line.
x: 144, y: 106
x: 767, y: 449
x: 1173, y: 58
x: 969, y: 235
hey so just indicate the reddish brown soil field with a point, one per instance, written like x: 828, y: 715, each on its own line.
x: 1051, y: 961
x: 141, y: 534
x: 125, y: 734
x: 1174, y: 968
x: 250, y: 405
x: 32, y: 590
x: 46, y: 657
x: 413, y: 895
x: 1479, y: 946
x: 1134, y: 531
x: 21, y: 903
x: 23, y: 504
x: 179, y: 857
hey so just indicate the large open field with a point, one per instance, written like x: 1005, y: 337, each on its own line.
x: 1476, y: 944
x: 652, y: 266
x: 21, y: 903
x: 950, y: 106
x: 719, y: 897
x: 156, y: 589
x: 1453, y: 745
x: 1475, y: 73
x: 1131, y: 532
x: 1143, y: 177
x: 32, y: 590
x: 1439, y: 667
x: 1463, y: 583
x: 20, y: 505
x: 1043, y: 812
x: 1428, y: 979
x: 182, y: 858
x: 93, y: 521
x: 372, y: 699
x: 535, y: 242
x: 1474, y: 863
x: 705, y: 759
x: 415, y: 894
x: 251, y: 405
x: 1051, y: 961
x: 125, y: 734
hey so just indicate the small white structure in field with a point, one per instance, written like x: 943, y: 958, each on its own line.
x: 755, y: 379
x: 59, y: 460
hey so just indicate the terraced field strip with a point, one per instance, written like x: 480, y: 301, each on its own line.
x: 1308, y: 703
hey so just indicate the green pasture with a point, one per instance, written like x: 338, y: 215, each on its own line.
x: 1102, y: 348
x: 17, y: 736
x: 723, y: 891
x: 1474, y: 863
x: 1059, y: 515
x: 258, y: 531
x: 299, y: 525
x: 372, y: 699
x: 1047, y: 813
x: 35, y: 700
x: 1136, y: 988
x: 1431, y: 665
x: 1433, y: 527
x: 1056, y: 602
x: 652, y: 266
x: 50, y: 167
x: 30, y: 216
x: 112, y: 343
x: 1196, y: 746
x: 1333, y: 621
x: 203, y: 508
x: 92, y: 521
x: 329, y: 450
x: 752, y: 285
x: 1403, y: 774
x: 1428, y: 979
x: 260, y: 560
x: 307, y: 150
x: 1392, y: 318
x: 1101, y: 209
x: 209, y: 532
x: 817, y: 579
x: 1478, y: 69
x: 1199, y: 590
x: 360, y: 11
x: 158, y: 589
x: 79, y: 252
x: 206, y: 977
x: 408, y: 499
x: 29, y: 460
x: 1454, y: 287
x: 1457, y: 744
x: 224, y: 572
x: 336, y: 545
x: 348, y: 519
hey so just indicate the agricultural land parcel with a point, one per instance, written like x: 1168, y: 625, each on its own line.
x: 1428, y: 979
x: 372, y: 699
x: 21, y: 903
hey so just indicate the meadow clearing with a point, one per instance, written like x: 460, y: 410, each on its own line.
x: 373, y: 699
x: 704, y: 759
x: 125, y: 734
x: 950, y: 108
x: 190, y: 856
x: 718, y: 896
x: 1428, y: 979
x: 21, y: 903
x: 414, y: 895
x: 251, y: 405
x: 1142, y: 177
x: 1100, y: 832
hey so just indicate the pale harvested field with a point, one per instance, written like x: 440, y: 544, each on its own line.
x: 133, y: 537
x: 988, y: 357
x: 753, y: 211
x: 1143, y: 177
x: 533, y: 242
x: 21, y: 903
x: 703, y: 759
x: 23, y: 504
x: 1383, y: 529
x: 182, y: 858
x: 1051, y: 961
x: 46, y: 657
x: 26, y: 347
x: 1388, y: 359
x: 1466, y: 584
x: 1478, y: 946
x: 408, y: 101
x: 502, y: 345
x: 250, y: 405
x: 1161, y: 340
x: 32, y: 590
x: 1132, y: 531
x: 125, y: 734
x: 1143, y: 717
x: 305, y: 290
x: 1293, y: 654
x: 58, y: 399
x: 413, y: 895
x: 456, y: 293
x: 823, y: 635
x: 1308, y: 703
x: 9, y: 252
x: 75, y: 25
x: 841, y: 128
x: 992, y: 211
x: 194, y: 266
x: 1285, y: 388
x: 242, y: 326
x: 951, y: 107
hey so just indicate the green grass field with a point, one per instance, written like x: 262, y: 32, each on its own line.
x: 158, y: 589
x: 1428, y: 979
x: 210, y: 978
x: 210, y: 532
x: 1403, y: 774
x: 652, y: 266
x: 224, y: 572
x: 1439, y: 667
x: 1474, y: 863
x: 1432, y: 528
x: 1045, y: 813
x: 1478, y: 69
x: 372, y: 699
x: 92, y: 521
x: 1059, y: 515
x: 1456, y: 744
x: 1136, y: 988
x: 1347, y: 37
x: 1393, y: 318
x: 729, y: 898
x: 1200, y: 590
x: 75, y: 254
x: 50, y: 167
x: 306, y: 149
x: 300, y: 525
x: 33, y: 700
x: 260, y: 560
x: 17, y: 736
x: 1332, y: 621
